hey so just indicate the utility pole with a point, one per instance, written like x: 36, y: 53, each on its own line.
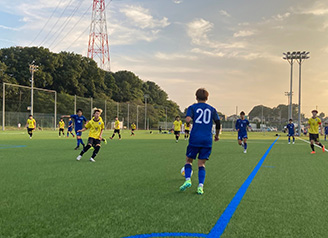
x: 33, y: 68
x: 146, y: 96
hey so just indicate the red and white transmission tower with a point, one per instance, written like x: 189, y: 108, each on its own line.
x: 98, y: 48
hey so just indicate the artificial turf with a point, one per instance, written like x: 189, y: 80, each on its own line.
x: 133, y: 188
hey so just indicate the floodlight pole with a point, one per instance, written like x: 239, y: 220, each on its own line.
x: 55, y: 110
x: 291, y: 90
x: 33, y: 68
x: 3, y: 105
x: 137, y: 117
x: 146, y: 96
x: 128, y: 116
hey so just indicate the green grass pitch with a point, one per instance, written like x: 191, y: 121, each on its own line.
x: 133, y: 188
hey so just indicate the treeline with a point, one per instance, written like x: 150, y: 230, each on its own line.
x: 72, y: 74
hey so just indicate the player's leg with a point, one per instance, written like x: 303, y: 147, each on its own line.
x: 95, y: 152
x: 59, y: 133
x: 119, y: 134
x: 204, y: 154
x: 190, y: 156
x: 67, y: 134
x: 113, y: 134
x: 85, y: 149
x: 245, y: 144
x: 293, y: 139
x: 319, y: 144
x: 288, y: 139
x: 312, y: 143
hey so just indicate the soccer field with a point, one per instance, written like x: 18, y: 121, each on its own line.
x: 133, y: 188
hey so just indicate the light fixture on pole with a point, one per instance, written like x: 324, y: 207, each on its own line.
x: 290, y: 58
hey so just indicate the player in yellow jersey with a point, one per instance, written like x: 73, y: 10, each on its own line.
x: 133, y: 128
x: 314, y: 123
x: 177, y: 128
x: 61, y: 125
x: 116, y: 129
x: 95, y: 135
x: 100, y: 118
x: 187, y: 130
x: 30, y: 125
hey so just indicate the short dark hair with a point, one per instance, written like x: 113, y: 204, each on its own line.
x: 202, y: 94
x: 290, y: 119
x: 30, y: 116
x: 79, y: 110
x: 177, y: 117
x: 242, y: 113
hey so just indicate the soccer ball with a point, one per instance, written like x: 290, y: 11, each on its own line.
x: 183, y: 172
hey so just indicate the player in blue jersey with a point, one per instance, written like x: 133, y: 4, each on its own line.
x: 291, y: 130
x: 326, y: 130
x: 200, y: 141
x: 70, y: 127
x: 78, y: 125
x: 241, y: 128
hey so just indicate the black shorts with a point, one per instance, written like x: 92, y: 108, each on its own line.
x: 314, y: 137
x: 187, y: 131
x: 30, y: 129
x: 132, y: 129
x: 117, y: 131
x: 93, y: 141
x: 61, y: 129
x: 176, y: 132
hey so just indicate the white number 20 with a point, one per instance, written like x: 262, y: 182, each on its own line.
x: 204, y: 116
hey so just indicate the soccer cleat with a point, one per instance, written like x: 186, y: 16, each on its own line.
x: 76, y: 148
x: 312, y: 152
x: 245, y: 151
x: 79, y: 158
x: 288, y: 143
x: 323, y: 148
x: 92, y: 160
x: 105, y: 141
x: 200, y: 190
x: 293, y: 142
x: 176, y: 141
x: 111, y: 138
x: 92, y: 148
x: 185, y: 185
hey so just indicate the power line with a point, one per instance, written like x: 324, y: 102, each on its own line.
x: 70, y: 3
x: 72, y: 27
x: 46, y: 23
x: 88, y: 27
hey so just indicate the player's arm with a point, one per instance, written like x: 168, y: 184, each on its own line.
x: 236, y: 126
x: 34, y: 123
x: 217, y: 129
x: 65, y: 116
x: 321, y: 129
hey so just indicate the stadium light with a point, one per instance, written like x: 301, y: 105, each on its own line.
x: 33, y: 68
x: 299, y: 57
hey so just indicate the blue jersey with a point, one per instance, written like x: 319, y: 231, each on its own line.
x: 290, y: 127
x: 326, y: 130
x: 202, y: 115
x: 241, y: 125
x: 70, y: 125
x: 78, y: 121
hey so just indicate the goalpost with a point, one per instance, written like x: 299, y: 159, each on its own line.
x: 26, y: 87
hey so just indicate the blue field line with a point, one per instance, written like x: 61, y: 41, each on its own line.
x: 224, y: 219
x: 11, y: 146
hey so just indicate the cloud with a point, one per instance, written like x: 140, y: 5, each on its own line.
x: 224, y: 13
x: 8, y: 28
x: 243, y: 33
x: 177, y: 1
x: 164, y: 56
x: 142, y: 18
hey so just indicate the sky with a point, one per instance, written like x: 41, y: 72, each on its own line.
x: 233, y: 48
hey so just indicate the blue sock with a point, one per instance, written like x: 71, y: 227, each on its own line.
x: 188, y: 169
x: 201, y: 175
x: 293, y: 139
x: 82, y: 142
x: 245, y: 146
x: 288, y: 139
x: 78, y: 142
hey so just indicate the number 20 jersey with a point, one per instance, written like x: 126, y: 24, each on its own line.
x: 203, y: 116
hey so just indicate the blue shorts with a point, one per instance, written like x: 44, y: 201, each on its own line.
x: 291, y: 134
x: 69, y: 129
x: 78, y: 133
x: 203, y: 152
x: 242, y: 136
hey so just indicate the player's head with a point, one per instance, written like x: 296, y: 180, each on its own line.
x: 242, y: 114
x: 202, y: 94
x: 96, y: 113
x: 95, y: 109
x: 177, y: 118
x: 30, y: 116
x: 116, y: 118
x: 61, y: 119
x: 79, y: 112
x: 290, y: 120
x: 70, y: 119
x: 314, y: 113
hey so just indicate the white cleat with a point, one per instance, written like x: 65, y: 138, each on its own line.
x: 78, y: 158
x: 293, y: 143
x: 92, y: 160
x: 288, y: 143
x: 245, y: 151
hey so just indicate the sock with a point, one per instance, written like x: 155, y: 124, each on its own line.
x: 95, y: 152
x: 201, y: 175
x: 177, y: 137
x: 78, y: 142
x: 113, y: 135
x: 245, y: 146
x: 67, y: 134
x: 312, y: 147
x: 119, y: 136
x: 288, y: 139
x: 85, y: 149
x: 320, y: 145
x: 59, y: 133
x: 81, y: 142
x: 188, y: 169
x: 293, y: 139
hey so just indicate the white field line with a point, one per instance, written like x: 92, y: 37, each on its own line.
x: 309, y: 143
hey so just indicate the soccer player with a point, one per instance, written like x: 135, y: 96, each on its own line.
x: 70, y: 127
x: 187, y: 130
x: 78, y: 125
x: 61, y: 127
x: 326, y: 131
x: 200, y: 141
x: 313, y: 126
x: 116, y: 129
x: 30, y: 125
x: 177, y: 128
x: 241, y: 128
x: 133, y: 128
x: 95, y: 135
x: 101, y: 120
x: 291, y: 130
